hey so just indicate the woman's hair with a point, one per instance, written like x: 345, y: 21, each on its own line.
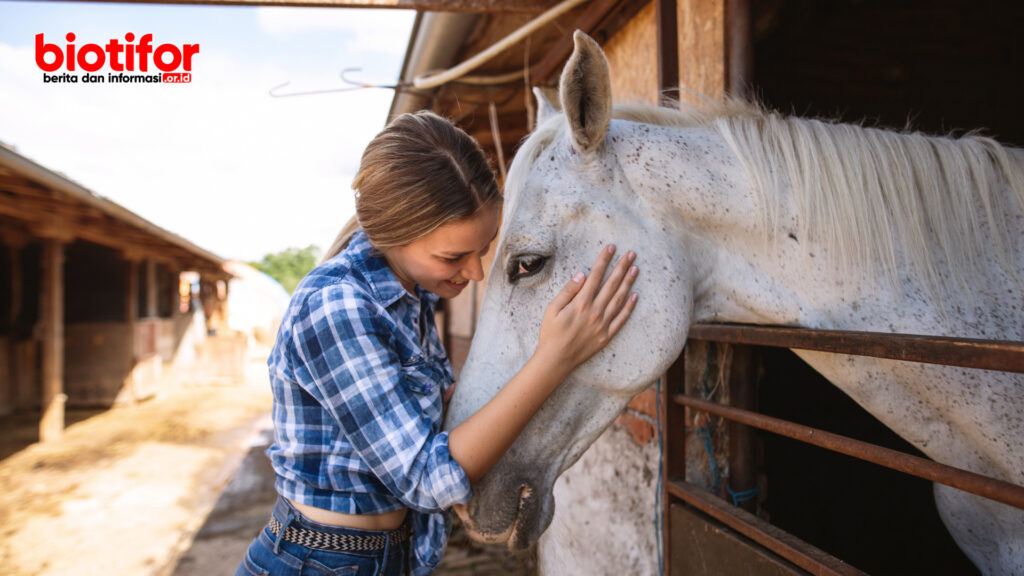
x: 419, y: 173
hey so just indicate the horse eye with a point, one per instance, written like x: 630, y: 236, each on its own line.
x: 525, y: 266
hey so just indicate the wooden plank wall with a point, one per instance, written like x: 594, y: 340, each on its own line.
x: 633, y: 57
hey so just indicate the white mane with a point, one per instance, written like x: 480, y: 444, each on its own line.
x: 867, y: 194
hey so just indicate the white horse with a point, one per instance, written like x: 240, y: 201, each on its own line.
x: 742, y: 215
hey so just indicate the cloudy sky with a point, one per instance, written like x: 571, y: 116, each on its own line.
x: 218, y: 161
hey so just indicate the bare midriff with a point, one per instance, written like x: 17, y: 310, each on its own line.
x: 385, y: 521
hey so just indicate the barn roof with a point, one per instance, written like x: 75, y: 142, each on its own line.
x: 441, y: 40
x: 38, y: 202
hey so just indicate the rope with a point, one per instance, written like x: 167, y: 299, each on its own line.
x: 706, y: 432
x: 741, y: 497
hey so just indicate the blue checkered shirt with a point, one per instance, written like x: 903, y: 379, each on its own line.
x: 358, y: 400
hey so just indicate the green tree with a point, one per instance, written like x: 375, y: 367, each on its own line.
x: 288, y: 266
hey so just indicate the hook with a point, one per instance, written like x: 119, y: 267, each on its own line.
x: 353, y: 85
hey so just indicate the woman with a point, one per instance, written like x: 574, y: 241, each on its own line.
x: 360, y: 379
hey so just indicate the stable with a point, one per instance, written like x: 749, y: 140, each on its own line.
x: 98, y: 306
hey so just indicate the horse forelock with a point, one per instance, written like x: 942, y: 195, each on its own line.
x: 905, y: 201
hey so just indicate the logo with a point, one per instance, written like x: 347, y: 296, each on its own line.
x: 128, y: 62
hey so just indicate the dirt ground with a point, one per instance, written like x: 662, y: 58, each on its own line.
x: 124, y: 490
x: 174, y: 486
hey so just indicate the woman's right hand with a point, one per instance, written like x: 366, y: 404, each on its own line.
x: 586, y: 314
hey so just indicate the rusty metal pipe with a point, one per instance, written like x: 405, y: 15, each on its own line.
x: 990, y: 488
x: 1004, y: 355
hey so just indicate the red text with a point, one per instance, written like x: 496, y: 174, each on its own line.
x: 92, y: 57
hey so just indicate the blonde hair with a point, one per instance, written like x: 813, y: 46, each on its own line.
x: 418, y: 174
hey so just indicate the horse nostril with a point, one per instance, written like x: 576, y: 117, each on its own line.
x: 525, y: 492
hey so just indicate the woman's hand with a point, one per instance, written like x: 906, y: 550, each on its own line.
x: 586, y: 314
x: 581, y: 319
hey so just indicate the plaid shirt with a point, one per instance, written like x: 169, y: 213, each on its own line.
x: 358, y: 400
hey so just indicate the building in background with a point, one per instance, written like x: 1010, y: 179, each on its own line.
x: 98, y: 306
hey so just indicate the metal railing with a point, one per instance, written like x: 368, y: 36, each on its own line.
x: 969, y: 353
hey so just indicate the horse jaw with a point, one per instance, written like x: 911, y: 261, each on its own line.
x: 513, y: 503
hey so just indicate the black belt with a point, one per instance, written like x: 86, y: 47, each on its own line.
x: 340, y: 542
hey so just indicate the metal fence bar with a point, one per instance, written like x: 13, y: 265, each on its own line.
x: 990, y: 488
x: 1001, y: 355
x: 778, y: 541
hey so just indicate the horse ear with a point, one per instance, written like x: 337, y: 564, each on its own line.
x: 586, y: 93
x: 546, y: 107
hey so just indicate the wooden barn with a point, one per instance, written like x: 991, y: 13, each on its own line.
x: 98, y: 306
x: 938, y: 67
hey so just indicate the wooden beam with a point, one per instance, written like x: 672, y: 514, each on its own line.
x: 597, y: 13
x: 47, y: 218
x: 13, y: 234
x: 51, y: 424
x: 465, y: 6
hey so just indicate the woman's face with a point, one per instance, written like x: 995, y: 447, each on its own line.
x: 444, y: 261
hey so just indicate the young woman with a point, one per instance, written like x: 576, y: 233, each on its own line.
x: 360, y: 379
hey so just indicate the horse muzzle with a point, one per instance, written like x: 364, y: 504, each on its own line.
x: 510, y: 513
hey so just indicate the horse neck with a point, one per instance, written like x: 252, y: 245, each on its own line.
x: 698, y: 192
x: 741, y: 270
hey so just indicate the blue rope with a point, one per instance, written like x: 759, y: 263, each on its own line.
x: 705, y: 433
x: 741, y: 497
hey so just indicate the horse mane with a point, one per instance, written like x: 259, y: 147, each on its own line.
x: 869, y: 195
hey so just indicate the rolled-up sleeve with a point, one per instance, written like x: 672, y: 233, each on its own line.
x: 346, y: 358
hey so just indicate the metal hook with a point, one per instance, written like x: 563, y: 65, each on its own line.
x: 353, y: 85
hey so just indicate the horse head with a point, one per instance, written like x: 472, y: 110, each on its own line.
x: 567, y: 195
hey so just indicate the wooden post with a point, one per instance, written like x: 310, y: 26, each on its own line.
x: 714, y: 56
x: 151, y: 289
x: 16, y: 285
x: 666, y: 24
x: 743, y: 461
x: 8, y: 393
x: 702, y: 51
x: 51, y: 424
x: 673, y: 446
x: 715, y: 49
x: 739, y: 48
x: 673, y: 416
x: 131, y: 317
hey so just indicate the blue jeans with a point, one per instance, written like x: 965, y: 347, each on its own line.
x: 269, y: 555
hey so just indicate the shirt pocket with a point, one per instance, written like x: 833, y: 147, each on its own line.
x: 419, y: 375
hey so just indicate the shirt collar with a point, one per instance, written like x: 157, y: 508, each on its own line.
x: 382, y: 281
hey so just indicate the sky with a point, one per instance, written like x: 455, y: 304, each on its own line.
x: 218, y: 161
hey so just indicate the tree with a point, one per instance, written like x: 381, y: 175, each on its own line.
x: 289, y: 265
